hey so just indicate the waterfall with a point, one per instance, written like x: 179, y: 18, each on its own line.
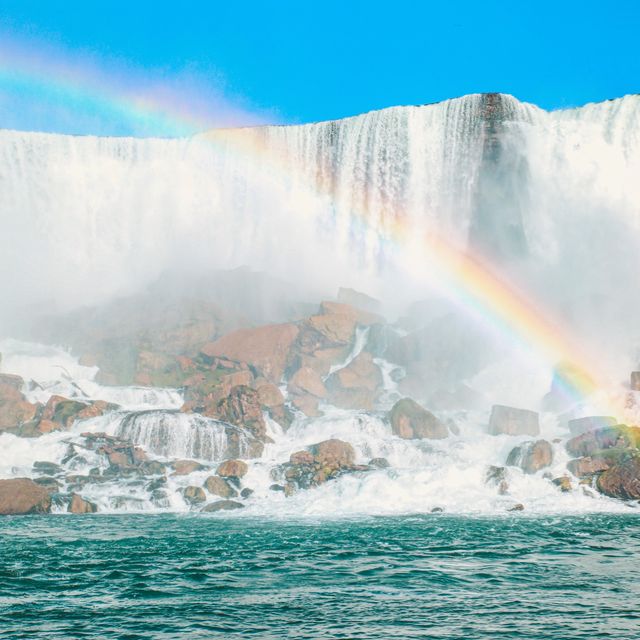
x: 172, y: 434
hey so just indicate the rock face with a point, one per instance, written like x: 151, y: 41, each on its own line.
x: 356, y: 386
x: 622, y: 480
x: 409, y: 420
x: 513, y: 421
x: 621, y: 437
x: 266, y: 348
x: 80, y: 505
x: 590, y: 423
x: 242, y: 408
x: 20, y: 496
x: 531, y: 456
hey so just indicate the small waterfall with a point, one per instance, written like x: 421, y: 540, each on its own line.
x: 172, y: 434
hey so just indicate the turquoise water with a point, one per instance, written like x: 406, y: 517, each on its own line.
x: 170, y: 576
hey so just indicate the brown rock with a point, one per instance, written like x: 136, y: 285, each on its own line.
x: 242, y: 408
x: 19, y: 496
x: 531, y: 456
x: 264, y: 348
x: 306, y: 380
x: 409, y: 420
x: 360, y: 373
x: 307, y: 404
x: 362, y: 317
x: 620, y: 437
x: 222, y: 505
x: 587, y: 466
x: 513, y: 421
x: 15, y: 410
x: 185, y: 467
x: 80, y: 505
x: 359, y: 300
x: 563, y: 483
x: 232, y: 469
x: 219, y: 487
x: 301, y: 457
x: 333, y: 452
x: 336, y: 328
x: 622, y: 481
x: 194, y: 495
x: 579, y: 426
x: 269, y: 395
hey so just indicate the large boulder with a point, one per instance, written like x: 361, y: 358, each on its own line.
x: 222, y: 505
x: 232, y: 469
x: 531, y: 456
x: 266, y: 348
x: 219, y: 487
x: 242, y: 408
x: 15, y: 410
x: 19, y: 496
x: 307, y: 381
x: 356, y: 385
x: 578, y: 426
x: 81, y: 505
x: 513, y: 421
x: 409, y: 420
x: 194, y: 495
x: 620, y: 437
x: 186, y: 467
x: 622, y: 480
x: 333, y: 452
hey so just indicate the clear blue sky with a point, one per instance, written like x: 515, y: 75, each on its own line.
x: 303, y: 61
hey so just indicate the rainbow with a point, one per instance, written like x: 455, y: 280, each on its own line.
x: 469, y: 280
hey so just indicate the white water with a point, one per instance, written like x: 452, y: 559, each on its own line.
x: 86, y: 218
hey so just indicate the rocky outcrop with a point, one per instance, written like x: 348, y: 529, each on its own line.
x: 578, y: 426
x: 242, y: 408
x: 620, y: 436
x: 409, y: 420
x: 265, y: 349
x: 15, y: 410
x: 512, y: 421
x: 356, y: 386
x: 81, y: 505
x: 322, y: 462
x: 21, y: 496
x: 622, y: 480
x: 531, y: 456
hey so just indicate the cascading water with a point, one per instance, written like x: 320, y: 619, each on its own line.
x: 547, y: 196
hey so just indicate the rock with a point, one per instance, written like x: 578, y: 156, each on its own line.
x: 307, y: 404
x: 222, y: 505
x: 194, y: 495
x: 185, y: 467
x: 579, y: 426
x: 531, y: 456
x: 15, y: 410
x: 301, y: 457
x: 587, y: 466
x: 264, y: 348
x: 379, y: 463
x: 563, y: 483
x: 437, y: 510
x: 51, y: 485
x: 246, y: 493
x: 80, y: 505
x: 359, y: 300
x: 62, y: 410
x: 232, y: 469
x: 635, y: 381
x: 333, y: 452
x: 497, y: 476
x: 269, y: 395
x: 19, y: 496
x: 276, y: 487
x: 242, y: 408
x: 47, y: 468
x: 355, y: 386
x: 622, y: 480
x: 620, y: 437
x: 409, y: 420
x: 219, y: 487
x: 516, y: 507
x: 307, y: 381
x: 336, y: 329
x: 513, y: 421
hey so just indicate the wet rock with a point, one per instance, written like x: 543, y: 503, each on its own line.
x: 156, y: 484
x: 516, y: 507
x: 306, y: 403
x: 153, y: 468
x: 579, y: 426
x: 51, y: 485
x: 301, y: 457
x: 194, y: 495
x: 563, y: 483
x: 265, y: 348
x: 232, y: 469
x: 437, y: 510
x: 620, y: 437
x: 186, y: 467
x: 622, y: 480
x: 379, y: 463
x: 223, y: 505
x: 531, y: 456
x: 356, y: 386
x: 246, y: 493
x: 47, y: 468
x: 333, y: 452
x: 276, y: 487
x: 219, y: 487
x: 588, y: 466
x: 80, y: 505
x: 15, y: 410
x: 20, y: 496
x: 307, y: 381
x: 242, y: 408
x: 513, y: 421
x: 497, y: 477
x: 409, y: 420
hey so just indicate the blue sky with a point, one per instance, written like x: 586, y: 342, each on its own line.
x: 228, y: 63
